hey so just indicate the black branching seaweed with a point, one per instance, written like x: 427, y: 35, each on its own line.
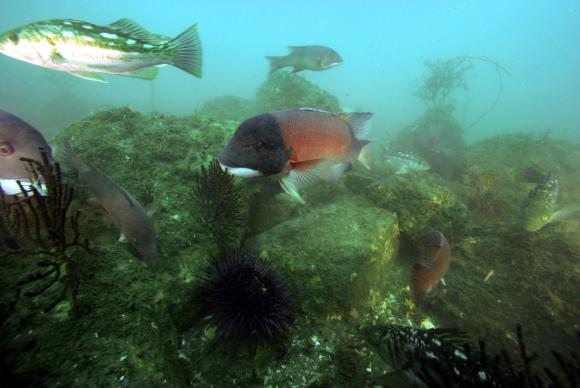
x: 248, y: 303
x: 38, y: 223
x: 218, y: 205
x: 439, y: 363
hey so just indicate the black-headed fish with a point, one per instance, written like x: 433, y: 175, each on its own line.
x: 125, y: 211
x: 315, y: 58
x: 297, y: 146
x: 18, y: 139
x: 427, y: 274
x: 86, y: 50
x: 404, y: 162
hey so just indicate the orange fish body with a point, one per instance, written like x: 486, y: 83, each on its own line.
x: 314, y: 135
x: 426, y: 275
x: 298, y: 146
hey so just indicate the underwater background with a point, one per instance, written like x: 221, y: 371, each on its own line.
x: 456, y: 229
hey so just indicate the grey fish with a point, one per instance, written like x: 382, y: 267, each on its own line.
x: 18, y: 139
x: 125, y: 211
x: 405, y: 162
x: 315, y: 58
x: 84, y: 49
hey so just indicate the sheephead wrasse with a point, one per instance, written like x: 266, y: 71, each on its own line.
x: 297, y: 146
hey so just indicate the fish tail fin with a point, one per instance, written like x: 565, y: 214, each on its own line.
x: 423, y: 281
x: 70, y: 160
x: 359, y: 124
x: 187, y: 51
x: 276, y: 63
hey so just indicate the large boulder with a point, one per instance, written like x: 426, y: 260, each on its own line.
x: 337, y: 256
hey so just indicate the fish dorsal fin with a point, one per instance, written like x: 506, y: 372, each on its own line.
x: 131, y: 28
x: 314, y: 110
x: 359, y: 123
x: 294, y: 48
x: 127, y: 196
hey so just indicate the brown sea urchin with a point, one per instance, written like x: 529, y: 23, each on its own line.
x: 247, y: 302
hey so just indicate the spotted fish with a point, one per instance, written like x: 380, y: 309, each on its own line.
x: 431, y: 358
x: 87, y: 50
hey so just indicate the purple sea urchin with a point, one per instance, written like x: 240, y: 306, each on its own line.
x: 246, y: 300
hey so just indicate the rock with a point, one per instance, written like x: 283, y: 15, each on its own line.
x: 229, y: 108
x: 336, y: 256
x: 422, y: 202
x: 290, y: 91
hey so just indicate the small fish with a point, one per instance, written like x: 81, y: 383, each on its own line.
x: 433, y: 357
x: 125, y: 211
x: 404, y: 162
x: 427, y: 274
x: 540, y: 207
x: 84, y: 49
x: 315, y: 58
x: 297, y: 146
x: 18, y: 139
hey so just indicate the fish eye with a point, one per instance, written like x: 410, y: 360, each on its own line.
x: 6, y: 149
x: 545, y: 218
x: 259, y: 146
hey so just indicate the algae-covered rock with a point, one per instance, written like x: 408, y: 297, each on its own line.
x: 438, y: 138
x: 335, y: 255
x: 229, y: 108
x: 421, y: 202
x: 152, y: 156
x: 290, y: 91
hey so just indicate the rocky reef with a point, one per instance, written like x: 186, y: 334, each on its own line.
x: 346, y: 255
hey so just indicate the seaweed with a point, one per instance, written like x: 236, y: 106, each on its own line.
x: 217, y: 205
x: 450, y: 74
x: 39, y: 224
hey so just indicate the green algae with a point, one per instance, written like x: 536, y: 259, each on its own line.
x: 347, y: 253
x: 290, y: 91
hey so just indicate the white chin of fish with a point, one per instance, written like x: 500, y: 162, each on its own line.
x: 10, y: 186
x: 241, y: 171
x: 334, y: 64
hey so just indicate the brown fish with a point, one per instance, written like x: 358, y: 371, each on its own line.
x: 315, y: 58
x: 18, y: 139
x: 125, y: 211
x: 298, y: 146
x: 427, y: 274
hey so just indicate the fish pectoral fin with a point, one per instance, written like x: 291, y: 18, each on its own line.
x: 146, y: 73
x: 122, y: 238
x: 88, y: 76
x: 290, y: 188
x: 134, y: 30
x: 305, y: 173
x: 564, y: 213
